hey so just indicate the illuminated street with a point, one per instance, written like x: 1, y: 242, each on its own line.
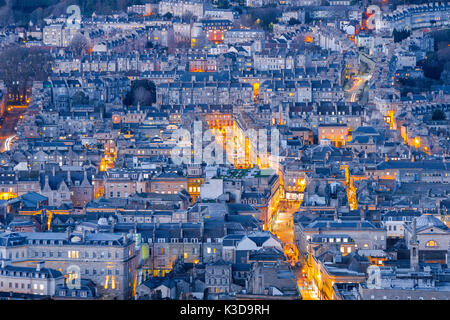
x: 8, y: 128
x: 357, y: 86
x: 224, y: 150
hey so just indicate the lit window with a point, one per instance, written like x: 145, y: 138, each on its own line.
x: 431, y: 243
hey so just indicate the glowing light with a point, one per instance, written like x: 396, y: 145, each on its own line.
x: 309, y: 39
x: 351, y: 189
x: 390, y: 119
x: 106, y: 282
x: 256, y: 91
x: 49, y: 221
x: 417, y: 142
x: 103, y: 164
x: 7, y: 195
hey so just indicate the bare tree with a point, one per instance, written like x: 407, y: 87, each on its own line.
x: 142, y: 96
x: 20, y: 66
x: 79, y: 45
x: 6, y: 15
x: 187, y: 17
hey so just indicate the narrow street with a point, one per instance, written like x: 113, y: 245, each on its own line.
x: 9, y: 127
x: 357, y: 87
x: 281, y: 214
x: 284, y: 229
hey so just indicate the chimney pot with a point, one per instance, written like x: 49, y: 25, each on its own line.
x: 39, y: 265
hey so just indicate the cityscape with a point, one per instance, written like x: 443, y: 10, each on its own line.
x: 224, y: 150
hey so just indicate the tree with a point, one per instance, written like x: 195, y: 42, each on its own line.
x: 293, y: 21
x: 432, y: 66
x: 20, y: 66
x: 187, y: 17
x: 400, y: 35
x: 438, y: 114
x: 79, y: 45
x: 6, y: 16
x: 80, y: 98
x: 223, y: 4
x: 143, y: 92
x: 238, y: 10
x: 265, y: 17
x: 445, y: 75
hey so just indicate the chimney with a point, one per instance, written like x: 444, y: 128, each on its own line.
x: 124, y: 236
x: 85, y: 178
x: 68, y: 232
x: 84, y: 235
x: 5, y: 262
x: 69, y: 181
x: 40, y: 265
x: 414, y: 248
x: 414, y: 227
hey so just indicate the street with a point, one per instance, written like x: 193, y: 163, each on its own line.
x: 358, y: 86
x: 283, y: 228
x: 8, y: 128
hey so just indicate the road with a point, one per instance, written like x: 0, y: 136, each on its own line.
x: 283, y: 228
x: 8, y: 129
x: 358, y: 86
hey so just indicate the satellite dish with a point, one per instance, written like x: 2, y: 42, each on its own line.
x: 350, y: 30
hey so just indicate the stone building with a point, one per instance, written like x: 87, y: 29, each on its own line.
x: 28, y: 280
x: 218, y: 276
x: 107, y: 259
